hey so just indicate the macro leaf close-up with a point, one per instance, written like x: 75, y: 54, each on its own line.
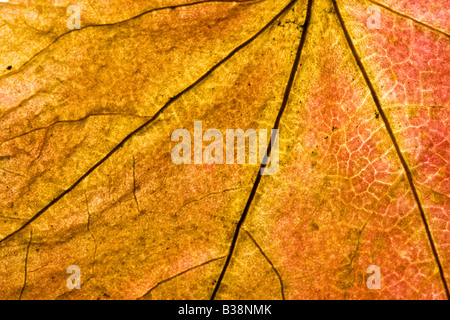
x: 226, y: 150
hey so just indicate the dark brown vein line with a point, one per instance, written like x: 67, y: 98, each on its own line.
x: 90, y: 231
x: 72, y: 121
x: 201, y: 198
x: 433, y: 191
x: 262, y: 167
x: 120, y: 22
x: 353, y: 255
x: 134, y: 186
x: 179, y: 274
x: 394, y: 141
x: 148, y: 122
x: 269, y: 261
x: 26, y: 266
x: 11, y: 218
x: 410, y: 18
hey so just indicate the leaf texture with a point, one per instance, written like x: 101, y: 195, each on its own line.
x: 87, y: 179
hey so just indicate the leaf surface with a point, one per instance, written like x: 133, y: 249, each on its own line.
x: 86, y: 176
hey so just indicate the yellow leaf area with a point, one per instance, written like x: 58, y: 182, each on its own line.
x: 86, y: 170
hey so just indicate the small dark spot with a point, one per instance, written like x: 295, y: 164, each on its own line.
x: 9, y: 67
x: 313, y: 226
x: 333, y: 128
x: 326, y: 138
x: 377, y: 115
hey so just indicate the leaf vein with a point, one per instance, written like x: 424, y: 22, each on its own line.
x: 397, y: 147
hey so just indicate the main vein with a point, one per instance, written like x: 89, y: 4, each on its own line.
x: 396, y: 146
x: 276, y: 126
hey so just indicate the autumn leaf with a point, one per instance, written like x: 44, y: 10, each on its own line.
x: 87, y: 178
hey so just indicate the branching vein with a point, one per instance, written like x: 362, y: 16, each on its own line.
x: 276, y: 126
x: 269, y: 261
x: 394, y: 141
x: 150, y: 121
